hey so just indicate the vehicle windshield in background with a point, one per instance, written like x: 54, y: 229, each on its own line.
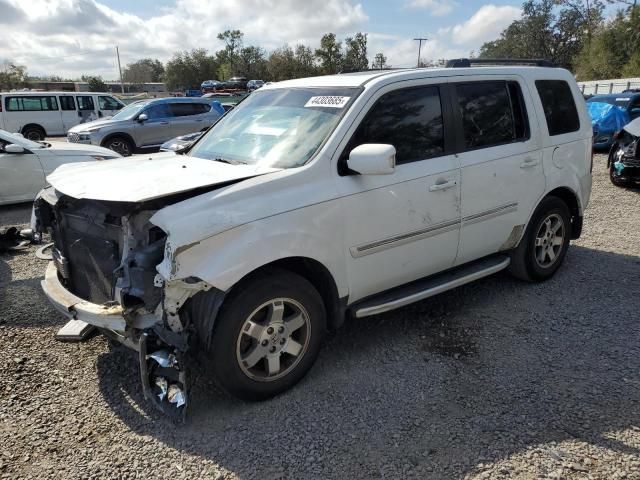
x: 130, y: 111
x: 276, y: 128
x: 618, y: 101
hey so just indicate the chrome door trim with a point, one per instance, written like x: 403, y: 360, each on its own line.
x: 492, y: 213
x: 403, y: 238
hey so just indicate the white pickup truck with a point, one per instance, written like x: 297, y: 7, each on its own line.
x: 313, y: 199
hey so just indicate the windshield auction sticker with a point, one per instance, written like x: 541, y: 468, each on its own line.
x: 327, y: 101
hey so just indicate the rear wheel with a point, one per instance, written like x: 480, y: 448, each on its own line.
x: 121, y: 145
x: 545, y: 242
x: 33, y: 133
x: 267, y: 335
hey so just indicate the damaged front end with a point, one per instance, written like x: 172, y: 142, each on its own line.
x: 104, y: 273
x: 624, y: 156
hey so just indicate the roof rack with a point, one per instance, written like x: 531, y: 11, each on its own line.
x: 469, y: 62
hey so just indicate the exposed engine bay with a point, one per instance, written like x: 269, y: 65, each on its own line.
x: 624, y: 156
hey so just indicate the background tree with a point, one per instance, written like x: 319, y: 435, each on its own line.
x: 379, y: 61
x: 96, y: 84
x: 190, y: 69
x: 12, y: 76
x: 305, y: 65
x: 252, y: 63
x: 355, y: 57
x: 229, y: 55
x: 548, y: 29
x: 144, y: 71
x: 329, y: 54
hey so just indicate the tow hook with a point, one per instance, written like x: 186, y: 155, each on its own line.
x: 163, y: 371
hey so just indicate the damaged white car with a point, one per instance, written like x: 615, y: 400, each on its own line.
x: 316, y: 197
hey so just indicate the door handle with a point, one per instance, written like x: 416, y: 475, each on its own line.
x: 442, y: 184
x: 529, y: 163
x: 164, y: 123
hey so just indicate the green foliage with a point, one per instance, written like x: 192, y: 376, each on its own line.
x: 330, y: 54
x: 379, y: 62
x: 552, y: 29
x: 355, y: 57
x: 96, y: 84
x: 614, y: 51
x: 190, y: 69
x: 12, y: 76
x: 143, y: 71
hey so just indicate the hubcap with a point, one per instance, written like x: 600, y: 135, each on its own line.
x: 34, y: 136
x: 121, y: 147
x: 273, y: 339
x: 549, y: 240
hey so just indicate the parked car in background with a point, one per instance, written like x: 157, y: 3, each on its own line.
x: 147, y: 124
x: 628, y: 102
x: 315, y: 198
x: 209, y: 86
x: 239, y: 83
x: 254, y: 84
x: 607, y: 120
x: 24, y: 164
x: 624, y: 156
x: 39, y: 114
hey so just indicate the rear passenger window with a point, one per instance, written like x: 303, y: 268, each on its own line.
x: 31, y: 104
x: 85, y: 103
x: 409, y: 119
x: 158, y: 111
x: 67, y: 103
x: 492, y: 113
x: 186, y: 109
x: 559, y: 107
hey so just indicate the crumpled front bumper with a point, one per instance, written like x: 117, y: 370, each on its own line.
x: 102, y: 316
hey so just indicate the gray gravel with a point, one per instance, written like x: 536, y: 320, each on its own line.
x: 498, y: 379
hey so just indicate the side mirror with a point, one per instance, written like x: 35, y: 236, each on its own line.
x: 13, y: 148
x: 143, y: 117
x: 373, y: 159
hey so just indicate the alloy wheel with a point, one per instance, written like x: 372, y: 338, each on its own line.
x: 549, y: 240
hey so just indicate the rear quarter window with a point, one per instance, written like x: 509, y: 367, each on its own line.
x: 559, y: 106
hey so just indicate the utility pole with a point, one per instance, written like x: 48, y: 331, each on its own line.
x: 420, y: 40
x: 119, y: 69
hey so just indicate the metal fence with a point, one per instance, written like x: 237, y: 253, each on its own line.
x: 617, y: 85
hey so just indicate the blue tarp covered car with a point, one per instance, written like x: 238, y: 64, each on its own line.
x: 606, y: 120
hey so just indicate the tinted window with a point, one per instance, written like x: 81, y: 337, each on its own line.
x: 158, y: 111
x: 559, y: 106
x: 487, y: 116
x: 186, y: 109
x: 409, y: 119
x: 108, y: 103
x: 31, y: 104
x: 85, y: 103
x: 67, y: 103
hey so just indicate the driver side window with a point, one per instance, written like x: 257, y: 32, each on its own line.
x: 409, y: 119
x: 157, y: 112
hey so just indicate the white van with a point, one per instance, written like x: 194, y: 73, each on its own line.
x: 39, y: 114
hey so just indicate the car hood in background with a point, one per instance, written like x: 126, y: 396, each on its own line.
x: 67, y: 149
x: 103, y: 122
x: 146, y: 177
x: 633, y: 127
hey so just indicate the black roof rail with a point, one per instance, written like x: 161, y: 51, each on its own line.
x: 469, y: 62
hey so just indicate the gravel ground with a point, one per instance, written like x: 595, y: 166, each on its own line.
x: 497, y: 379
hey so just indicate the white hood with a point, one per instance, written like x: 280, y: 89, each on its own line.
x: 145, y: 177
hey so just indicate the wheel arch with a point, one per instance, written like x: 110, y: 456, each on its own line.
x: 570, y: 198
x: 318, y: 275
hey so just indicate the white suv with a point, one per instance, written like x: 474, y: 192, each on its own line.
x: 315, y: 198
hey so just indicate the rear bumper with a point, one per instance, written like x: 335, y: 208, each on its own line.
x: 102, y: 316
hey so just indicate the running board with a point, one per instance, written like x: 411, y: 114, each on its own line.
x: 430, y: 286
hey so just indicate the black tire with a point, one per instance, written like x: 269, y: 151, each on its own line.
x: 34, y: 133
x: 119, y: 144
x: 230, y: 340
x: 525, y: 259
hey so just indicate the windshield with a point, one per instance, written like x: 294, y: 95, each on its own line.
x: 619, y: 101
x: 7, y: 138
x: 130, y: 111
x: 276, y: 128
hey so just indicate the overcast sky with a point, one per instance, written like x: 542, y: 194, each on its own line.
x: 74, y: 37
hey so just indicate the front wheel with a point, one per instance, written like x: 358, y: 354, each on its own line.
x: 545, y: 242
x: 267, y: 335
x: 120, y: 145
x: 614, y: 177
